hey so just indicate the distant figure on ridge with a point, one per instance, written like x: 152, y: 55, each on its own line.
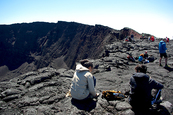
x: 83, y: 82
x: 132, y: 37
x: 130, y: 40
x: 167, y: 39
x: 152, y: 39
x: 162, y: 51
x: 141, y: 86
x: 106, y: 53
x: 126, y: 39
x: 148, y: 38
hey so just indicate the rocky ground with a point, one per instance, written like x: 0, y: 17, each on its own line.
x: 43, y: 91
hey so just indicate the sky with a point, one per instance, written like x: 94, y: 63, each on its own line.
x: 144, y: 16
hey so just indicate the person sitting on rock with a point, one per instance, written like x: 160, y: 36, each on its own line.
x: 148, y: 38
x: 140, y: 59
x: 151, y: 58
x: 146, y: 55
x: 167, y: 39
x: 126, y: 39
x: 131, y: 58
x: 83, y: 82
x: 141, y: 86
x: 152, y: 39
x: 130, y: 40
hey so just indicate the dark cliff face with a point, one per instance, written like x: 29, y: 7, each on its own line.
x: 18, y: 41
x: 74, y: 41
x: 39, y: 44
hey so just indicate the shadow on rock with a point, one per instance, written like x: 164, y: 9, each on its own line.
x: 169, y: 68
x: 86, y: 105
x: 161, y: 110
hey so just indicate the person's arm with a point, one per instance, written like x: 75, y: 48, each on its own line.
x: 132, y: 85
x: 164, y: 46
x: 156, y: 85
x: 91, y: 84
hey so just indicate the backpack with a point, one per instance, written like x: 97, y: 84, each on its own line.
x: 113, y: 95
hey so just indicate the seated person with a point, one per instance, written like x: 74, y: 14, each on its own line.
x: 141, y: 86
x: 146, y: 55
x: 130, y: 58
x: 140, y: 59
x: 152, y: 39
x: 167, y: 39
x: 151, y: 58
x: 83, y: 82
x: 126, y: 39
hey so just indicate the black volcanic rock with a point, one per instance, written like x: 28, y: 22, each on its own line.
x: 43, y: 91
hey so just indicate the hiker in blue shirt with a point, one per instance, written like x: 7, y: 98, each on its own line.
x: 162, y: 51
x: 140, y: 59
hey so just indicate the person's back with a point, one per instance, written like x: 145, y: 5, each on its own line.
x: 162, y: 47
x: 80, y: 91
x: 140, y: 59
x: 83, y: 82
x: 152, y: 39
x: 151, y: 58
x: 140, y: 92
x: 141, y: 86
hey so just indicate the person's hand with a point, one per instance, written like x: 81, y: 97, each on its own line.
x: 97, y: 95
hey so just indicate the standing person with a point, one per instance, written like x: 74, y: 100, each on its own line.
x: 162, y: 51
x: 130, y: 40
x: 83, y: 82
x: 141, y: 86
x: 132, y: 36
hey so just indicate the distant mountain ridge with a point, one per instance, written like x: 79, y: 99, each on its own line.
x: 30, y: 46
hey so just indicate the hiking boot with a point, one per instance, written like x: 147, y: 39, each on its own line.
x: 167, y: 65
x: 160, y: 64
x: 158, y: 101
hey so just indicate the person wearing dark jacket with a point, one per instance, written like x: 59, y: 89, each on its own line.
x: 141, y: 85
x: 146, y: 55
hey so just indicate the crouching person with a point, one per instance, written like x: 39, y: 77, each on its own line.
x: 141, y: 89
x: 83, y: 82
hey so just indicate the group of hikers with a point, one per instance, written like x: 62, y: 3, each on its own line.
x: 130, y: 39
x: 83, y: 85
x: 141, y: 85
x: 152, y: 39
x: 145, y: 58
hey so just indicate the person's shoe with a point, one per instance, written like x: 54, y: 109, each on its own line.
x: 160, y: 64
x: 167, y: 65
x: 68, y: 94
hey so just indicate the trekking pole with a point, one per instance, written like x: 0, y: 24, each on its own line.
x: 152, y: 102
